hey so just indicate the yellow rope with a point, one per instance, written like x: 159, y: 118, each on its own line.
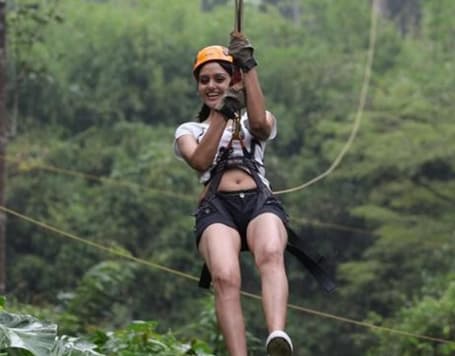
x: 97, y: 245
x: 92, y: 177
x: 358, y: 119
x: 127, y: 184
x: 358, y: 323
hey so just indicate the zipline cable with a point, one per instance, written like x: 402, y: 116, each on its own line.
x: 190, y: 277
x: 360, y: 110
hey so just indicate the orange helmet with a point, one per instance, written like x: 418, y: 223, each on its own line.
x: 211, y: 53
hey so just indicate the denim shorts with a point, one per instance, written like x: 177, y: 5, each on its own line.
x: 235, y: 209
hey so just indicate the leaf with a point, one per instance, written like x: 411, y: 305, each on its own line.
x: 66, y: 345
x: 26, y: 332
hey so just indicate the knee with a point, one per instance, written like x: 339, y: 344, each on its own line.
x: 270, y: 256
x: 226, y: 280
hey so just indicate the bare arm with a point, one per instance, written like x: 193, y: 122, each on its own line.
x: 200, y: 155
x: 260, y: 120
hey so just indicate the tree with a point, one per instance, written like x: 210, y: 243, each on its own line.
x: 405, y: 13
x: 3, y: 144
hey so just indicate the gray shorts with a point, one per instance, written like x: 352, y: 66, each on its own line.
x: 235, y: 209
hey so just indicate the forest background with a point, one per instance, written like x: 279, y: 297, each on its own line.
x: 98, y: 207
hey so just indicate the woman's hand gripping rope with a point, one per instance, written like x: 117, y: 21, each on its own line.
x: 232, y: 102
x: 242, y: 51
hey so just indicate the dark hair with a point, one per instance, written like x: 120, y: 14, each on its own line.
x: 204, y: 112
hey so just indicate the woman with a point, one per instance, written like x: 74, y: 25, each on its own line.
x: 237, y: 210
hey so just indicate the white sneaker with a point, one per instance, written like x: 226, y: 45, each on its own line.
x: 279, y: 344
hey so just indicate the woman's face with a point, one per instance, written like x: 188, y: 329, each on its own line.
x: 213, y: 81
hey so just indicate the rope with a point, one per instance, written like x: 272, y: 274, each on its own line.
x: 123, y: 183
x: 357, y: 121
x: 238, y: 15
x: 192, y: 278
x: 92, y: 177
x: 359, y: 323
x: 97, y: 245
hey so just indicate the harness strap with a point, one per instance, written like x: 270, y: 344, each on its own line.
x: 313, y: 263
x: 206, y: 278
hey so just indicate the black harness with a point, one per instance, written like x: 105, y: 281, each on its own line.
x: 296, y: 246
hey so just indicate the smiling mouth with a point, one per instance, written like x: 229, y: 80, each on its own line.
x: 213, y: 97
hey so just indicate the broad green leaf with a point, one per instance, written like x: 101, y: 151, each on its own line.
x: 26, y: 332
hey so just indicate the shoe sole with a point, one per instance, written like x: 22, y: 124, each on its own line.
x: 279, y: 347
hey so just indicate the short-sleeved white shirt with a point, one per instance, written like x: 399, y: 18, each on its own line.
x: 198, y: 130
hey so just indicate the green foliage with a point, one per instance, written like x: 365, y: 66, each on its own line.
x: 438, y: 25
x: 22, y: 335
x: 102, y: 293
x: 141, y: 338
x: 85, y: 56
x: 206, y: 327
x: 429, y: 316
x: 98, y: 88
x: 137, y: 168
x: 26, y: 335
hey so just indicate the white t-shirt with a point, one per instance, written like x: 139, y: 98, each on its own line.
x: 198, y: 130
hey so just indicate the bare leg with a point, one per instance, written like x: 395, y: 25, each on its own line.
x: 220, y: 247
x: 267, y: 240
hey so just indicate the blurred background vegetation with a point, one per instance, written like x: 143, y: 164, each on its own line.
x: 98, y: 88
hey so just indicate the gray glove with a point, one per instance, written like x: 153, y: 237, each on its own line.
x: 233, y: 101
x: 242, y: 51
